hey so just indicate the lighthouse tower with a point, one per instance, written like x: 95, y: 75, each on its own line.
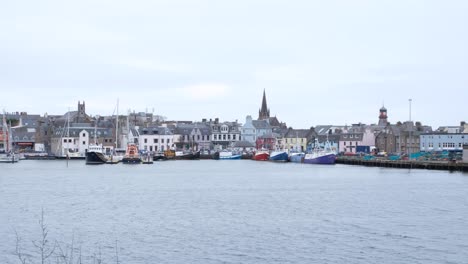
x: 383, y: 117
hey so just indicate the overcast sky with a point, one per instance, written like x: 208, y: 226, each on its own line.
x: 321, y: 62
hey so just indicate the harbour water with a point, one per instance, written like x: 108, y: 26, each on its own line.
x: 237, y: 212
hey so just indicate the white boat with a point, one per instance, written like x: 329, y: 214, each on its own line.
x: 229, y: 155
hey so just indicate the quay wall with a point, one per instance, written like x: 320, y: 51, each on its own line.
x: 406, y: 164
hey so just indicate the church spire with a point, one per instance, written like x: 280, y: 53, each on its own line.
x: 264, y: 112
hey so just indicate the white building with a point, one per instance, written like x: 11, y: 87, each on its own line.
x: 155, y: 139
x: 443, y: 141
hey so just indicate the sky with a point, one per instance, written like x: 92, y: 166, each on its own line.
x: 320, y: 62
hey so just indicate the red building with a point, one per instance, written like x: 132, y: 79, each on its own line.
x: 266, y: 142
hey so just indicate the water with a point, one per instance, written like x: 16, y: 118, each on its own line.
x: 237, y: 212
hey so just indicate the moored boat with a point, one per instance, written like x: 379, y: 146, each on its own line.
x: 8, y: 158
x: 297, y: 157
x: 279, y: 155
x: 131, y: 156
x: 261, y: 155
x: 229, y: 155
x: 181, y: 155
x: 321, y: 156
x: 147, y: 158
x: 95, y: 155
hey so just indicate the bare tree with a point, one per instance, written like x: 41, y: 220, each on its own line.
x: 18, y: 250
x: 43, y: 245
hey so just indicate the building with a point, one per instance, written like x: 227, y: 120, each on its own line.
x: 407, y: 136
x: 357, y: 138
x: 154, y: 139
x: 253, y: 129
x: 77, y: 138
x: 438, y: 141
x: 225, y: 134
x: 296, y: 139
x: 192, y: 136
x: 385, y: 140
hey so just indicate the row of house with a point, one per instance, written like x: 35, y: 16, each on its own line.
x: 76, y: 130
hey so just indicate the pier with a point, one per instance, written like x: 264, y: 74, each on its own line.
x: 405, y: 164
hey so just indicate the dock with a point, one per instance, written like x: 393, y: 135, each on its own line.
x: 405, y: 164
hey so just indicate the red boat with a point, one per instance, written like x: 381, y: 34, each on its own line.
x: 261, y: 155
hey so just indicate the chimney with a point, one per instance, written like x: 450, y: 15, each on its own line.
x: 462, y: 123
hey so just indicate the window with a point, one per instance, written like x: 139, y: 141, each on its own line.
x: 155, y: 140
x: 198, y: 137
x: 224, y: 137
x: 84, y: 135
x: 229, y: 137
x: 344, y: 143
x: 84, y: 142
x: 146, y: 140
x: 234, y: 137
x: 65, y: 141
x: 215, y: 137
x: 69, y: 141
x: 162, y: 140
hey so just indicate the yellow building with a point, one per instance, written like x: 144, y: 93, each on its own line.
x: 296, y: 139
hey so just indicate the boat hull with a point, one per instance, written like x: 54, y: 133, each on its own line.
x: 9, y: 159
x: 188, y: 156
x: 279, y: 156
x: 131, y: 160
x: 261, y: 156
x: 297, y: 158
x: 325, y: 159
x: 232, y: 157
x: 95, y: 158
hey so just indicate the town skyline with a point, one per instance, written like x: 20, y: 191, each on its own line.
x: 372, y: 118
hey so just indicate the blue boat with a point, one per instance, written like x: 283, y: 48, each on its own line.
x: 297, y: 157
x: 321, y: 156
x: 229, y: 155
x: 279, y: 156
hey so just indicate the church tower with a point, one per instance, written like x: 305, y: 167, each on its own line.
x: 81, y: 114
x: 264, y: 112
x: 383, y: 116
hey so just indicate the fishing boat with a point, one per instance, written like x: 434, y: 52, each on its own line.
x: 131, y: 155
x: 279, y: 155
x: 321, y: 156
x: 297, y: 157
x: 147, y: 158
x: 190, y: 155
x: 261, y: 155
x: 95, y: 154
x: 229, y: 155
x: 159, y: 156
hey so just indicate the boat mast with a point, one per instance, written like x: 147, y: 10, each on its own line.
x: 4, y: 131
x: 68, y: 132
x: 117, y: 126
